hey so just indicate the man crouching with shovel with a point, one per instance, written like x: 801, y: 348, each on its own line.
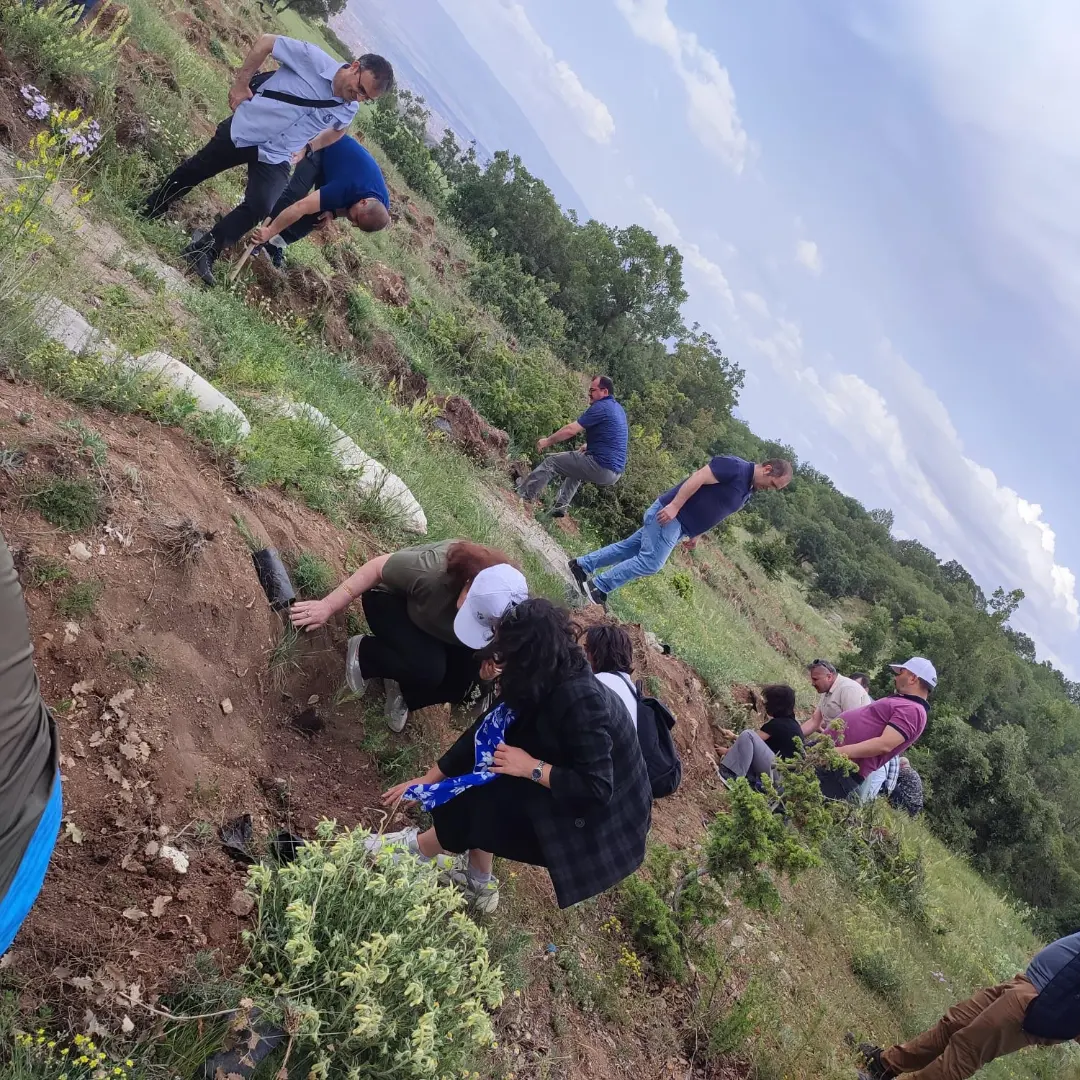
x: 278, y: 117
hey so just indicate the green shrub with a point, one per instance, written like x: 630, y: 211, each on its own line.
x: 79, y: 600
x: 683, y: 584
x: 652, y: 926
x: 517, y: 298
x: 880, y: 973
x: 361, y: 314
x: 378, y: 968
x: 72, y: 505
x: 732, y: 1030
x: 43, y: 570
x: 773, y: 555
x: 50, y: 37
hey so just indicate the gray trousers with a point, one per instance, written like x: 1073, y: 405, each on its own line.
x: 574, y: 467
x: 749, y: 756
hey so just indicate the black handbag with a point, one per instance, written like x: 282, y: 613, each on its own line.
x: 654, y: 727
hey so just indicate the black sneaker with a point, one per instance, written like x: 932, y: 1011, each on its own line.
x: 579, y: 576
x: 277, y: 255
x: 597, y: 596
x: 876, y: 1069
x: 199, y: 255
x: 558, y: 512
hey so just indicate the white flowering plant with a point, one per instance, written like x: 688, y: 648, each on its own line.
x: 372, y: 966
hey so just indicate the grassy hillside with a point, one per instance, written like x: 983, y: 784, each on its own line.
x: 877, y: 939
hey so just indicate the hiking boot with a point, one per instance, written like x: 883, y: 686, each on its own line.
x: 876, y: 1069
x: 558, y: 511
x: 579, y: 576
x: 276, y: 254
x: 597, y: 596
x: 481, y: 896
x: 353, y: 677
x: 397, y: 712
x: 200, y: 255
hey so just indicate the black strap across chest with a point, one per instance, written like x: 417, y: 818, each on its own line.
x: 257, y: 80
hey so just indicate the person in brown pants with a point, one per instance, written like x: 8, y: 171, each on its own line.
x: 993, y: 1022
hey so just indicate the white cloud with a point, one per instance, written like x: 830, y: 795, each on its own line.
x: 711, y: 109
x: 669, y: 233
x: 755, y: 302
x: 1004, y: 78
x: 912, y: 458
x: 593, y: 115
x: 807, y: 253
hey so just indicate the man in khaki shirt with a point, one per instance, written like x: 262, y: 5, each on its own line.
x: 839, y: 694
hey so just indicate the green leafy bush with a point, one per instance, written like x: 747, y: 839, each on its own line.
x: 652, y: 925
x: 372, y: 963
x: 773, y: 555
x: 683, y: 584
x: 517, y: 298
x: 72, y: 505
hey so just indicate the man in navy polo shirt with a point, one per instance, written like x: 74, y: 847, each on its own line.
x: 303, y: 106
x: 601, y: 461
x: 693, y: 507
x: 348, y: 183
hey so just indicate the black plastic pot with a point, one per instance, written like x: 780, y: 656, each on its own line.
x: 274, y: 578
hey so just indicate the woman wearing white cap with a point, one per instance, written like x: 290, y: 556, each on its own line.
x: 430, y: 608
x: 882, y: 730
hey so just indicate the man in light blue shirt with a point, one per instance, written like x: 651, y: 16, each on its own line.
x: 306, y: 104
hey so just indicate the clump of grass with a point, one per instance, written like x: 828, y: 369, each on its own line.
x: 142, y: 667
x: 44, y: 570
x: 79, y: 600
x: 145, y: 277
x: 12, y: 460
x: 244, y: 529
x: 283, y: 656
x: 313, y: 577
x: 72, y: 505
x: 87, y: 442
x: 182, y: 542
x: 879, y: 971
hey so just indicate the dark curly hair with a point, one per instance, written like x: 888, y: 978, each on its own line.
x: 537, y: 649
x: 609, y: 648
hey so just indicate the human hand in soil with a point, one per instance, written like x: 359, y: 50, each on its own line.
x: 389, y: 798
x: 310, y: 613
x: 325, y: 218
x: 238, y: 94
x: 513, y: 761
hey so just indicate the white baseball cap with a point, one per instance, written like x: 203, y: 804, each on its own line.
x: 919, y: 666
x: 491, y: 594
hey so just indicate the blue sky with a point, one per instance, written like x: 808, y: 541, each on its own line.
x: 878, y: 202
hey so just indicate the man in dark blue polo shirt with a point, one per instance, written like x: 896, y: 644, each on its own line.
x: 348, y: 183
x: 699, y: 503
x: 601, y: 461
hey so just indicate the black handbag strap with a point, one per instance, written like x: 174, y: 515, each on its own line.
x: 260, y: 77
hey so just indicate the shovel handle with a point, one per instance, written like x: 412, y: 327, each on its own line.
x: 244, y: 258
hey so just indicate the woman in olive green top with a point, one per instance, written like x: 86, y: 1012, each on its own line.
x: 430, y: 608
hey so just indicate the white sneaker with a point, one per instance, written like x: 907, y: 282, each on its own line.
x: 482, y: 897
x: 353, y: 678
x: 405, y: 842
x: 397, y: 713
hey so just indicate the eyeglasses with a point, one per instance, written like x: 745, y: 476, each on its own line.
x: 825, y: 664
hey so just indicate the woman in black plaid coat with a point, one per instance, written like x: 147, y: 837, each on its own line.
x: 572, y: 793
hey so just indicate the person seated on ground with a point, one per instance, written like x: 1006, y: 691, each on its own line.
x: 754, y: 753
x: 1039, y: 1008
x: 601, y: 462
x: 882, y: 730
x: 838, y: 694
x: 907, y: 795
x: 862, y: 679
x: 348, y: 183
x: 430, y: 609
x: 30, y: 796
x: 305, y: 105
x: 611, y: 656
x: 552, y: 776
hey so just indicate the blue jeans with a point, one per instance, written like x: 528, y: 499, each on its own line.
x: 637, y: 556
x: 26, y: 884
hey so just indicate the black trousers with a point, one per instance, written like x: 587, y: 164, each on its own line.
x: 837, y: 785
x: 429, y: 671
x: 265, y: 183
x: 496, y: 817
x: 306, y: 176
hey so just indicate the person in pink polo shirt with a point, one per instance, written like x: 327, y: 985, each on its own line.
x: 878, y: 732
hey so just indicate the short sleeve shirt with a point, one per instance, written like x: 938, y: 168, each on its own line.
x: 606, y: 433
x: 903, y: 712
x: 350, y: 174
x: 279, y: 128
x: 782, y: 732
x: 1046, y: 963
x: 711, y: 503
x: 844, y: 694
x: 431, y: 594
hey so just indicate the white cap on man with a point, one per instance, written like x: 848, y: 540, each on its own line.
x: 492, y: 593
x: 920, y: 667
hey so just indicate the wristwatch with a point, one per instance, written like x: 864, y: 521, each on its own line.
x: 538, y: 772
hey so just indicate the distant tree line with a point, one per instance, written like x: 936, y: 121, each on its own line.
x: 1001, y: 755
